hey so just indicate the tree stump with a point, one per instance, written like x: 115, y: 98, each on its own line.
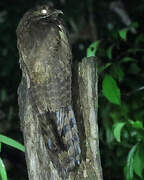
x: 85, y: 104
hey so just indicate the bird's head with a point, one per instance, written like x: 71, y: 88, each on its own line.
x: 44, y: 11
x: 40, y: 13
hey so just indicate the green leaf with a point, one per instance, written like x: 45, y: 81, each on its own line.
x: 126, y: 59
x: 102, y: 68
x: 109, y: 52
x: 109, y: 135
x: 134, y: 25
x: 136, y: 124
x: 134, y: 50
x: 117, y: 71
x: 111, y: 90
x: 0, y: 146
x: 134, y: 68
x: 109, y: 132
x: 139, y: 39
x: 138, y: 164
x: 129, y: 164
x: 92, y: 49
x: 3, y: 173
x: 123, y: 33
x: 117, y: 130
x: 11, y: 142
x: 3, y: 95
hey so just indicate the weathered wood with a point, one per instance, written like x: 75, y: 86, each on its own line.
x: 85, y: 103
x: 38, y: 164
x: 86, y: 109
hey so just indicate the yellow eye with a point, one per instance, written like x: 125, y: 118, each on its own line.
x: 44, y: 11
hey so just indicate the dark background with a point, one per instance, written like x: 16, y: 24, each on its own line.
x: 87, y: 21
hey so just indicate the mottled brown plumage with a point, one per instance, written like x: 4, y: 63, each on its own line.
x: 45, y: 59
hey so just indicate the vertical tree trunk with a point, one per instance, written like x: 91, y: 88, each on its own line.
x: 85, y: 103
x: 86, y: 108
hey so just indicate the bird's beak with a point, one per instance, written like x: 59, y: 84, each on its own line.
x: 58, y: 12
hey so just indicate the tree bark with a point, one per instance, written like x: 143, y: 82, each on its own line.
x: 85, y: 104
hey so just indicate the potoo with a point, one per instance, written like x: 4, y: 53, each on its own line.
x: 45, y: 59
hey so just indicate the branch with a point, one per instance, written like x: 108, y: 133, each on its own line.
x: 92, y: 21
x: 118, y: 8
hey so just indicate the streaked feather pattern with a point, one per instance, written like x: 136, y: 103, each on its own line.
x: 45, y: 58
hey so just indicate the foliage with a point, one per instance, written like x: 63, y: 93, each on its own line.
x: 3, y: 173
x: 111, y: 90
x: 121, y: 80
x: 120, y: 72
x: 10, y: 142
x: 91, y: 51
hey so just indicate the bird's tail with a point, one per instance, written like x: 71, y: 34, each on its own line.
x: 61, y: 137
x: 67, y: 130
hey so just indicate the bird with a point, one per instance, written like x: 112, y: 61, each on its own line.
x: 46, y: 61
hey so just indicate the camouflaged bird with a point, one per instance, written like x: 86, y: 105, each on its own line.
x: 45, y: 59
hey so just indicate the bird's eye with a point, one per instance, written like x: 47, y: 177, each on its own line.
x: 44, y: 11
